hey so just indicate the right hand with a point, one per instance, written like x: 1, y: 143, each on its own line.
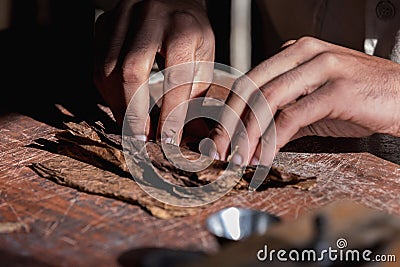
x: 311, y: 88
x: 127, y: 40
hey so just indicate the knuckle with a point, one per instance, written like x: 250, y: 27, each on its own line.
x: 184, y: 18
x: 286, y: 117
x: 137, y: 123
x: 189, y: 33
x: 207, y: 41
x: 238, y: 84
x: 242, y: 86
x: 180, y: 53
x: 269, y: 93
x: 330, y: 59
x: 131, y: 73
x: 178, y: 76
x: 307, y: 43
x: 187, y: 27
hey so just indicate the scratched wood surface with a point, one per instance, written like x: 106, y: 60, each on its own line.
x: 60, y: 226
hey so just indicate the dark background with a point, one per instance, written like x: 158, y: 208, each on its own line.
x: 42, y: 64
x: 45, y: 64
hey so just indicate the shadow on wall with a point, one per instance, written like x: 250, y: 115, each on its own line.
x: 48, y: 61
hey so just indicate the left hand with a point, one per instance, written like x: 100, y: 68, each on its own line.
x: 128, y: 39
x: 312, y: 88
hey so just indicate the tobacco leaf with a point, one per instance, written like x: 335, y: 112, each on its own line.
x: 94, y: 162
x: 90, y: 179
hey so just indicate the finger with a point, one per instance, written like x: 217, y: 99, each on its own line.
x: 312, y: 108
x: 135, y: 70
x: 203, y: 76
x: 281, y: 91
x: 137, y: 122
x: 295, y: 54
x: 111, y: 33
x: 232, y: 114
x: 256, y: 121
x: 204, y: 69
x: 180, y: 49
x: 299, y: 52
x: 266, y: 148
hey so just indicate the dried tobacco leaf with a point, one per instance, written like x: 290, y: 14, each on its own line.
x: 114, y: 155
x: 90, y: 179
x: 101, y: 169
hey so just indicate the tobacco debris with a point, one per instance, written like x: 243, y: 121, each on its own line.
x: 92, y: 161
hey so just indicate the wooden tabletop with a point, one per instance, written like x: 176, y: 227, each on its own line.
x: 45, y: 224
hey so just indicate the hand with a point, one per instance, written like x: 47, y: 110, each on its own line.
x: 127, y: 40
x: 313, y: 88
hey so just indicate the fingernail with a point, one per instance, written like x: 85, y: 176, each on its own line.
x: 140, y: 137
x: 255, y: 161
x: 237, y: 159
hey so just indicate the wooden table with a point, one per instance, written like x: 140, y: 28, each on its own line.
x: 63, y: 227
